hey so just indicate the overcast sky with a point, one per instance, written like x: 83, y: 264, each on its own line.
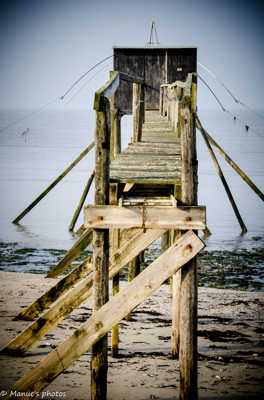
x: 47, y: 44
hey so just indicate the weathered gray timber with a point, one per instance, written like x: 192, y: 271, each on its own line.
x: 169, y: 217
x: 188, y: 298
x: 56, y: 291
x: 81, y: 202
x: 225, y: 184
x: 99, y: 362
x: 130, y: 247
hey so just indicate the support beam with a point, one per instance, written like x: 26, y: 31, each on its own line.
x: 78, y: 247
x: 99, y: 361
x: 81, y: 202
x: 188, y: 298
x: 56, y: 291
x: 138, y: 111
x: 108, y: 315
x: 230, y: 161
x: 114, y: 246
x: 176, y: 304
x: 224, y: 182
x: 148, y: 217
x: 54, y: 183
x: 80, y: 293
x: 133, y: 271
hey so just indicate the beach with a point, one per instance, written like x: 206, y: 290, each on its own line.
x: 230, y: 345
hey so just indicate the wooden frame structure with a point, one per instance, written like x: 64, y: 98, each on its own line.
x: 120, y: 240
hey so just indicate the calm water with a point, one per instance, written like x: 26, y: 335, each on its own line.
x: 34, y: 152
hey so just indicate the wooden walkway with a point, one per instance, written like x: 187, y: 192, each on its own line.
x: 156, y: 159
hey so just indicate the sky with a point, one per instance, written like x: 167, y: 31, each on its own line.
x: 46, y: 45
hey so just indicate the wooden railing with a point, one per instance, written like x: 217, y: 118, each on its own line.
x: 104, y: 102
x: 171, y: 95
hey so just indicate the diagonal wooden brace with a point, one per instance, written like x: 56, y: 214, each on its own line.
x: 97, y: 326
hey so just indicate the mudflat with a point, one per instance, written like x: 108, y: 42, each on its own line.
x: 230, y: 345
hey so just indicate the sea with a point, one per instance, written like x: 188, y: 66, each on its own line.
x: 36, y: 147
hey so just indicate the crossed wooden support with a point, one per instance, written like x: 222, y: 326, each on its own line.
x: 103, y: 320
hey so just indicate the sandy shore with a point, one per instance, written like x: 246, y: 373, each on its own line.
x: 231, y: 345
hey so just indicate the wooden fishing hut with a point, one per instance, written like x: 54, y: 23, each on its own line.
x: 143, y: 192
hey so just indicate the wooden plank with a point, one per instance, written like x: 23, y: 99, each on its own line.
x: 165, y: 168
x: 153, y: 145
x: 224, y: 182
x: 129, y: 78
x: 148, y: 158
x: 56, y: 291
x: 81, y: 202
x: 136, y: 175
x: 128, y: 187
x: 109, y: 315
x: 147, y: 180
x: 54, y: 183
x: 106, y: 217
x: 78, y: 247
x: 80, y: 293
x: 153, y: 150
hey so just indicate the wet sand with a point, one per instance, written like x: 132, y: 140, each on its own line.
x: 230, y: 345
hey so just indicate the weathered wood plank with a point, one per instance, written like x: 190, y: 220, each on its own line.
x: 147, y: 180
x: 138, y: 111
x: 80, y: 293
x: 105, y: 217
x: 109, y: 315
x: 224, y: 182
x: 149, y: 158
x: 56, y: 291
x: 154, y: 150
x: 81, y: 202
x: 78, y: 247
x: 164, y: 167
x: 148, y: 175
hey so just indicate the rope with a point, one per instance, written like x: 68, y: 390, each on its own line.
x: 246, y: 125
x: 83, y: 75
x: 56, y: 99
x: 217, y: 99
x: 236, y: 100
x: 84, y: 84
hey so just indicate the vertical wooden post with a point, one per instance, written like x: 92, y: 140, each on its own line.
x: 81, y: 202
x: 138, y: 111
x: 176, y: 307
x: 188, y: 301
x: 99, y: 362
x: 133, y: 271
x: 114, y: 245
x: 115, y: 148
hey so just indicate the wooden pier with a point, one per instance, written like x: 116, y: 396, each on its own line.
x: 143, y: 192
